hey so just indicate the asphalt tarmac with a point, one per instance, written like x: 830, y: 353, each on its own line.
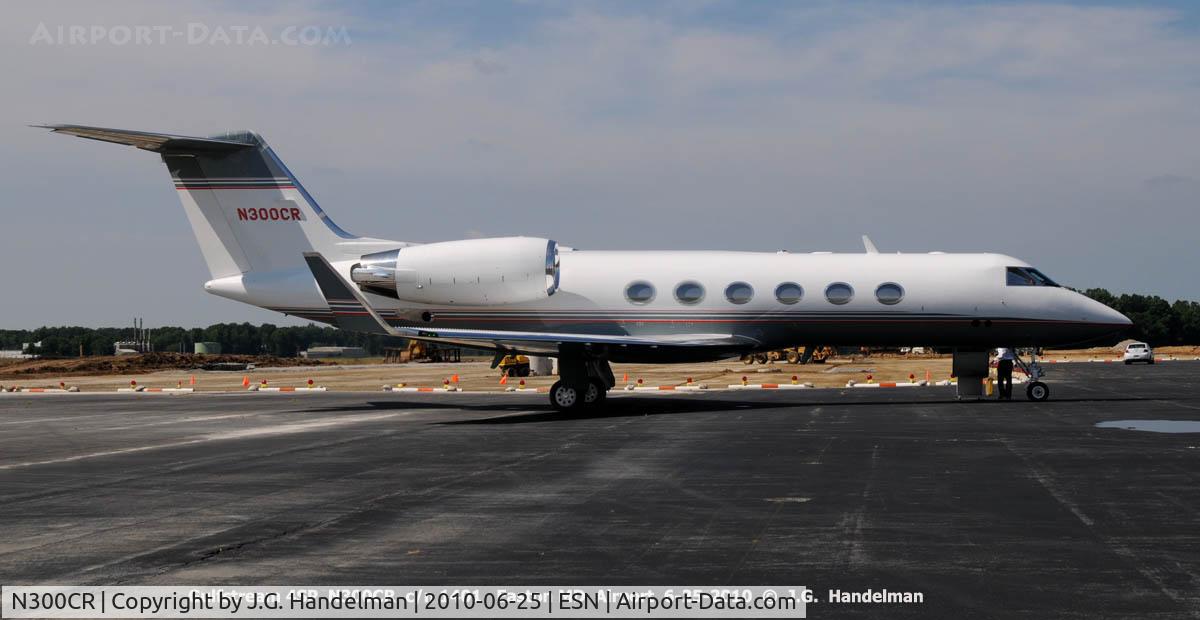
x: 988, y: 509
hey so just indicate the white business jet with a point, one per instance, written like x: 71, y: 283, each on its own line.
x: 267, y: 243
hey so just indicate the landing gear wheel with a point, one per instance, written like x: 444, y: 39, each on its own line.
x: 594, y: 394
x: 566, y: 396
x: 1037, y: 391
x: 793, y: 357
x: 761, y: 358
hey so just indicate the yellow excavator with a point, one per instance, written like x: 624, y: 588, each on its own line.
x: 514, y: 365
x: 421, y: 350
x: 793, y: 355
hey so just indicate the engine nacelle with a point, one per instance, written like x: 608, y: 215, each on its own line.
x: 473, y: 272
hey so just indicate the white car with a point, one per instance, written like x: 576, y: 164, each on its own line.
x: 1138, y: 352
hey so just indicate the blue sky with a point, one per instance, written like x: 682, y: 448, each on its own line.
x: 1061, y: 133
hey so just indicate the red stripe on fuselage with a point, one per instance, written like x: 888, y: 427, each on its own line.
x: 791, y: 320
x: 190, y: 187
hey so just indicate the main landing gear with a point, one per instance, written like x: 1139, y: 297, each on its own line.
x: 571, y: 396
x: 584, y: 382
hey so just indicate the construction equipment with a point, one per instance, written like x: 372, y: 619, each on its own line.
x: 419, y: 350
x: 818, y: 356
x: 793, y: 355
x: 514, y: 365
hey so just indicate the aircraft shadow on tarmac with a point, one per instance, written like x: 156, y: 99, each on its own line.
x: 511, y: 413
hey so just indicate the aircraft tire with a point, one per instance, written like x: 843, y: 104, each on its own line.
x: 1037, y: 391
x: 565, y: 397
x: 595, y: 394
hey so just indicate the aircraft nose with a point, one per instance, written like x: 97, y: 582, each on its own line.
x: 1101, y: 314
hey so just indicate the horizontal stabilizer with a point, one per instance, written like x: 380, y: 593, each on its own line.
x: 157, y: 142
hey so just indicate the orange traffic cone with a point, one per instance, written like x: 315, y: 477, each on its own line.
x: 504, y: 378
x: 454, y: 378
x: 246, y: 381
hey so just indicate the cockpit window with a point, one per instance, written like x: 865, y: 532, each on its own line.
x: 1019, y: 277
x: 1028, y: 276
x: 1041, y: 277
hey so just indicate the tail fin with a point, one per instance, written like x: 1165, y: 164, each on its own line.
x: 248, y: 211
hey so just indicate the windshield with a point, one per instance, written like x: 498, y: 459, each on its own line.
x: 1028, y: 276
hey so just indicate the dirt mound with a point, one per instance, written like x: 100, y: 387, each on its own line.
x: 136, y: 364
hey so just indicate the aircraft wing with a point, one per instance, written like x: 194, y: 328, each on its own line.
x: 352, y: 312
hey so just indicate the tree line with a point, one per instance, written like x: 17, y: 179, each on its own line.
x: 238, y: 338
x: 1155, y: 320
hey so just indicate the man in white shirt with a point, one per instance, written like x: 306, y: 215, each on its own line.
x: 1004, y: 369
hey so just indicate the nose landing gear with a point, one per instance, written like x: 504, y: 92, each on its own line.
x: 1036, y: 390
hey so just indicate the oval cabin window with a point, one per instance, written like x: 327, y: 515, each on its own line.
x: 839, y: 293
x: 889, y: 293
x: 689, y: 293
x: 789, y: 293
x: 640, y: 292
x: 739, y: 293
